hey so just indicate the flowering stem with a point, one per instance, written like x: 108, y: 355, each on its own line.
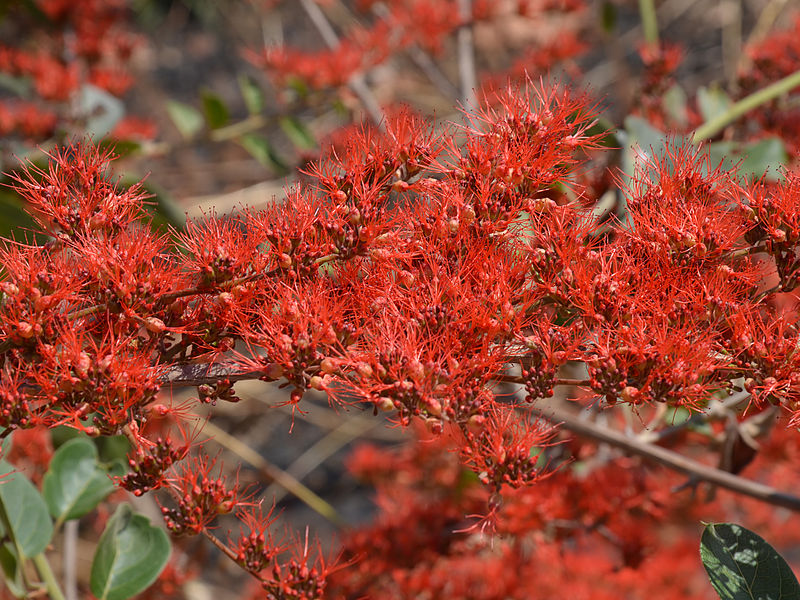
x: 783, y: 86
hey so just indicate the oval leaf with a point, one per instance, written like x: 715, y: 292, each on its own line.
x: 217, y: 114
x: 129, y: 557
x: 742, y: 566
x: 75, y: 482
x: 252, y: 94
x: 188, y: 120
x: 25, y: 512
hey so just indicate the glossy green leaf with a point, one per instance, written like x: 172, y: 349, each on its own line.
x: 260, y: 148
x: 742, y: 566
x: 252, y: 94
x: 75, y: 483
x: 298, y: 133
x: 24, y: 511
x: 217, y: 114
x: 712, y: 102
x: 129, y: 557
x: 186, y: 118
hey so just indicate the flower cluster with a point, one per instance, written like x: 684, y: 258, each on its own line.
x: 410, y: 273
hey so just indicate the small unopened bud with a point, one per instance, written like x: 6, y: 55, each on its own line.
x: 273, y: 371
x: 316, y: 383
x: 476, y: 423
x: 452, y: 225
x: 327, y: 366
x: 154, y: 325
x: 629, y: 394
x: 339, y: 196
x: 225, y: 298
x: 364, y: 370
x: 25, y: 330
x: 284, y: 260
x: 9, y: 289
x: 385, y: 404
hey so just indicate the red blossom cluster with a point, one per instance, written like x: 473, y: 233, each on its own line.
x: 411, y: 272
x: 85, y: 42
x: 391, y: 28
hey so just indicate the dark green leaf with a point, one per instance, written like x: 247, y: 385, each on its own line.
x: 24, y: 512
x: 299, y: 135
x: 252, y: 94
x: 216, y: 112
x: 260, y: 148
x: 608, y: 16
x: 12, y: 574
x: 187, y: 119
x: 129, y: 557
x: 742, y: 566
x: 75, y: 482
x: 13, y: 217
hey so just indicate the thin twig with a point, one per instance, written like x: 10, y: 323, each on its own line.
x: 317, y: 453
x: 357, y: 82
x: 274, y: 473
x: 711, y: 128
x: 670, y: 459
x: 466, y: 55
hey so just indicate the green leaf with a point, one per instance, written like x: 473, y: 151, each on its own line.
x: 260, y: 148
x: 608, y: 16
x: 765, y: 157
x: 20, y: 86
x: 75, y: 482
x: 252, y: 94
x: 675, y: 102
x: 12, y: 573
x: 298, y: 133
x: 24, y: 511
x: 13, y: 217
x: 712, y: 102
x: 742, y: 566
x: 101, y: 110
x: 216, y: 111
x: 186, y: 118
x: 129, y: 557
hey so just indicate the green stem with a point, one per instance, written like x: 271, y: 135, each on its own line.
x: 46, y: 573
x: 647, y: 10
x: 250, y: 124
x: 714, y: 126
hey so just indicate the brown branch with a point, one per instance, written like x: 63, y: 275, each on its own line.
x: 670, y: 459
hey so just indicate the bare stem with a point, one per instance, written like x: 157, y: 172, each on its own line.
x: 270, y: 471
x: 670, y: 459
x: 711, y: 128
